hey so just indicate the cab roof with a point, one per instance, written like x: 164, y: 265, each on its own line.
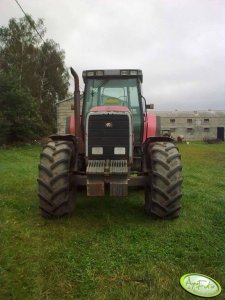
x: 118, y: 73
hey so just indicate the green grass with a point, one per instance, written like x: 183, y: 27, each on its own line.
x: 109, y: 249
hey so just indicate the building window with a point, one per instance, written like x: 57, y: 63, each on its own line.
x: 172, y: 121
x: 189, y: 121
x: 190, y: 130
x: 172, y: 129
x: 206, y: 129
x: 206, y: 121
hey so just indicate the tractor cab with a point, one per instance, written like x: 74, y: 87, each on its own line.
x: 115, y: 89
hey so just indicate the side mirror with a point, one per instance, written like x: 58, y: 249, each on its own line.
x: 150, y: 106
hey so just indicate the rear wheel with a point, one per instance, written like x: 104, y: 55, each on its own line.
x: 55, y: 190
x: 163, y: 189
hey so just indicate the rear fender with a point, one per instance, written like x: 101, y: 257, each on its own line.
x: 151, y: 126
x: 70, y: 125
x: 70, y: 131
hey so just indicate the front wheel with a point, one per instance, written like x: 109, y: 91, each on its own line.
x: 163, y: 188
x: 56, y: 192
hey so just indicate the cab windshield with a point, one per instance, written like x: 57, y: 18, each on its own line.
x: 111, y: 92
x: 114, y: 92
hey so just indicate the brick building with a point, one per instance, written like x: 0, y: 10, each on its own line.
x: 63, y: 112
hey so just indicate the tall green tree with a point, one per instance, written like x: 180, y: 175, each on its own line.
x: 54, y: 79
x: 19, y: 49
x: 19, y: 120
x: 38, y: 67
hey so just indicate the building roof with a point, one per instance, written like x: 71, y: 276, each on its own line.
x: 191, y: 114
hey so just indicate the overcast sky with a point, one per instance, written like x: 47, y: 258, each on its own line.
x: 178, y: 44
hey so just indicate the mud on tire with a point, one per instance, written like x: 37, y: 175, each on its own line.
x: 163, y: 189
x: 55, y: 191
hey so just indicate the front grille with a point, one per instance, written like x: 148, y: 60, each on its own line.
x: 108, y: 131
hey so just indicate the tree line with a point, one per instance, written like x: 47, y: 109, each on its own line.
x: 33, y: 76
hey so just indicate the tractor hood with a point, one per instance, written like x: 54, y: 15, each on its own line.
x: 110, y: 109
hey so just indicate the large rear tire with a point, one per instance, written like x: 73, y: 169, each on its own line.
x: 163, y: 189
x: 56, y: 192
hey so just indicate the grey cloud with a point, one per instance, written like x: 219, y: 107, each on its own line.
x: 179, y: 45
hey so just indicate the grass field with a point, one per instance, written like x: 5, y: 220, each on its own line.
x: 109, y: 249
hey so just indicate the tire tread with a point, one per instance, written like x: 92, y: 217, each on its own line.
x: 55, y: 191
x: 163, y: 191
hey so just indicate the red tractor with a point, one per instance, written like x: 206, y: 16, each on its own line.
x: 113, y: 144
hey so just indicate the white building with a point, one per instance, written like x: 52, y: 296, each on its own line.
x: 193, y: 125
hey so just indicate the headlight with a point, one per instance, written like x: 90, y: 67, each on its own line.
x: 90, y: 73
x: 119, y: 151
x: 124, y: 72
x: 133, y: 72
x: 99, y: 73
x: 97, y: 150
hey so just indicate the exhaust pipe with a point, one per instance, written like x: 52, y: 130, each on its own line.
x: 76, y: 102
